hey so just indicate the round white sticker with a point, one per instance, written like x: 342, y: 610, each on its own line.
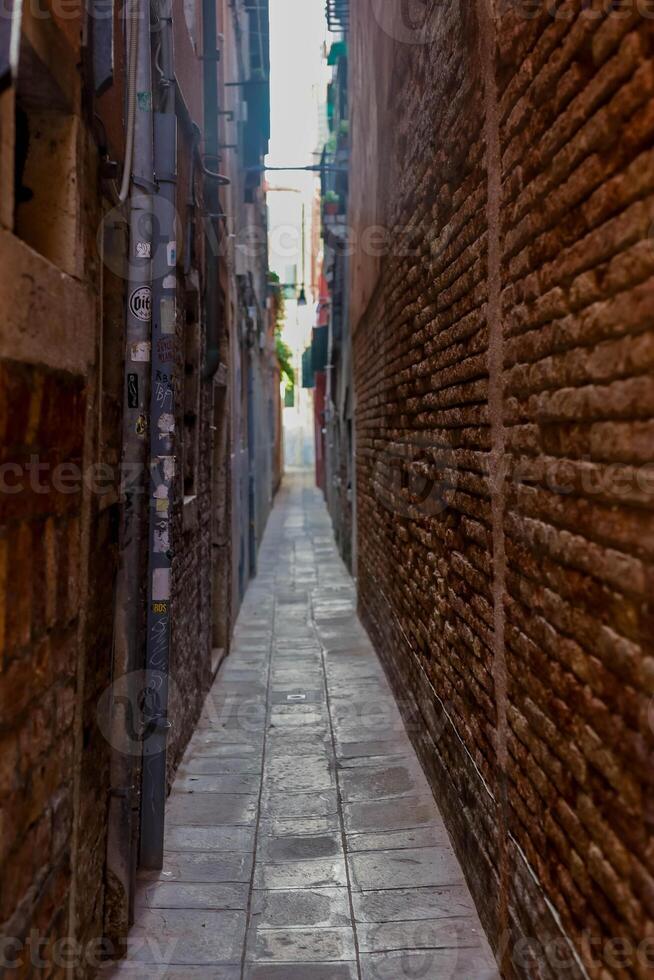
x: 140, y: 303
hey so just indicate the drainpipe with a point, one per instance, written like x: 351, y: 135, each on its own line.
x: 162, y: 459
x: 127, y: 657
x: 212, y: 197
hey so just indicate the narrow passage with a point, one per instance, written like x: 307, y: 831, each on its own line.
x: 303, y: 842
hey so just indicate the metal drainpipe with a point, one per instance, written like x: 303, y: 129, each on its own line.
x: 212, y: 197
x: 162, y: 459
x: 127, y: 654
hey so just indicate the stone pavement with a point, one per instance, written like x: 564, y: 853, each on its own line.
x: 302, y: 839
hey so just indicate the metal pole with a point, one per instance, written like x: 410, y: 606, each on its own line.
x: 127, y: 655
x: 162, y: 460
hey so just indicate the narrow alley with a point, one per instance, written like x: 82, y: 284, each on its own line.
x: 327, y: 489
x: 303, y: 841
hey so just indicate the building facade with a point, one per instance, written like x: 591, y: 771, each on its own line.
x: 504, y: 396
x: 332, y: 342
x: 138, y: 381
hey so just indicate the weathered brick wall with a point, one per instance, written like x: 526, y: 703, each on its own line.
x: 38, y: 640
x: 503, y: 363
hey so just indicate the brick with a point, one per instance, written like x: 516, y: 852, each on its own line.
x: 575, y: 398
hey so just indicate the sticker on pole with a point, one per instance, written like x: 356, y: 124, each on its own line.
x: 140, y: 303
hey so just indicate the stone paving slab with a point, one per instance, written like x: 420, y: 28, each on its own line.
x: 302, y: 838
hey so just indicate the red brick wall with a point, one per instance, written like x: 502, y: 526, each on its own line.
x: 503, y: 351
x: 39, y: 549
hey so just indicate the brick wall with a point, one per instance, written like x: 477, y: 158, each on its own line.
x: 503, y: 358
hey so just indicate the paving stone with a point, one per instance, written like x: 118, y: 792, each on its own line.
x: 235, y: 745
x: 302, y: 971
x: 382, y: 783
x: 320, y: 907
x: 187, y: 937
x: 367, y: 750
x: 300, y: 805
x: 408, y: 904
x: 234, y: 784
x: 405, y: 868
x: 307, y: 774
x: 431, y: 836
x: 302, y: 945
x: 203, y: 866
x: 323, y: 873
x: 275, y: 850
x: 443, y: 933
x: 142, y: 971
x: 439, y: 964
x: 220, y: 838
x: 381, y: 815
x: 211, y: 809
x: 178, y: 895
x: 292, y: 745
x: 218, y: 765
x: 299, y: 826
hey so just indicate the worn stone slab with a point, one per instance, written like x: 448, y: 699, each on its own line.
x: 366, y: 751
x: 325, y: 873
x: 382, y: 783
x: 381, y: 815
x: 304, y: 775
x: 201, y: 866
x: 320, y: 908
x: 408, y: 904
x: 187, y: 937
x: 292, y: 745
x: 184, y: 895
x: 444, y: 933
x: 405, y: 868
x: 430, y: 836
x: 187, y: 838
x: 438, y: 964
x: 298, y: 945
x: 274, y: 850
x: 299, y: 826
x: 301, y: 971
x: 211, y: 809
x: 143, y: 971
x: 299, y: 805
x: 246, y: 784
x: 219, y: 765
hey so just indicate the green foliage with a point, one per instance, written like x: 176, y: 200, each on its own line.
x: 285, y: 358
x: 284, y: 352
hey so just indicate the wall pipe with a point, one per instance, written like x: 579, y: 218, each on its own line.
x: 211, y: 195
x: 128, y: 617
x: 162, y: 458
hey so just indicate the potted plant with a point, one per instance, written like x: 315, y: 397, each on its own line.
x: 331, y: 203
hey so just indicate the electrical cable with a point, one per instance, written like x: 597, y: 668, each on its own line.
x: 133, y: 25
